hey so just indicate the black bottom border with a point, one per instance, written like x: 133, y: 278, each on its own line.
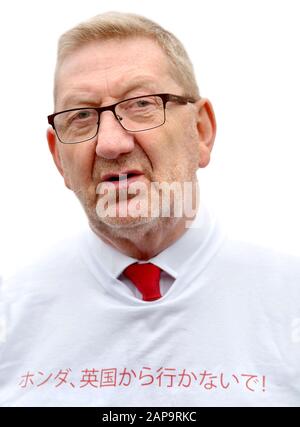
x: 61, y: 416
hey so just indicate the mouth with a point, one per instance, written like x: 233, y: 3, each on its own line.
x: 122, y: 176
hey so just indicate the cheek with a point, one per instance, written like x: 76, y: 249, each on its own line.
x: 174, y: 154
x: 78, y: 164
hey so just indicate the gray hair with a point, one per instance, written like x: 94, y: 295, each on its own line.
x: 117, y: 25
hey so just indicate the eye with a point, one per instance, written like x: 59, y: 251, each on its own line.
x: 139, y: 104
x: 85, y: 114
x: 142, y: 103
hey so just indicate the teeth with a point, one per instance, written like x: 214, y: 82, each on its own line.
x: 122, y: 177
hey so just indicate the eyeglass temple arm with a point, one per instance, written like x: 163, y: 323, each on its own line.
x: 181, y: 99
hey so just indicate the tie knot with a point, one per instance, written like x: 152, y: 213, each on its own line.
x: 146, y: 278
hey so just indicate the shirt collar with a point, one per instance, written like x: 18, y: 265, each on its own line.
x: 171, y: 260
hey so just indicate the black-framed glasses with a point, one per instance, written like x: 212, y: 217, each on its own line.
x: 134, y: 115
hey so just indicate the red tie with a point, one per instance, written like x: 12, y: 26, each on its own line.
x: 146, y: 278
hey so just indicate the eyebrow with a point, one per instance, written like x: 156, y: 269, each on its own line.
x: 76, y: 100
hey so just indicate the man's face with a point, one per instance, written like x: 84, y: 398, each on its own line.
x: 102, y: 73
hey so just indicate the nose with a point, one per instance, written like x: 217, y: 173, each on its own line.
x: 112, y: 139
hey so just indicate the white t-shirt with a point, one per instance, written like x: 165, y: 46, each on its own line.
x: 226, y: 331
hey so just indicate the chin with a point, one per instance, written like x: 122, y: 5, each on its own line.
x: 126, y: 222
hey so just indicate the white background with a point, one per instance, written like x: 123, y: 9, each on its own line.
x: 246, y: 57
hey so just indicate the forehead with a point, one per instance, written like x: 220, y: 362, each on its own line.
x: 111, y: 69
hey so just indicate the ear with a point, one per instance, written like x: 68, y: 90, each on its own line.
x: 206, y: 127
x: 53, y: 147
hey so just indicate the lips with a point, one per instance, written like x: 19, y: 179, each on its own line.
x: 121, y: 176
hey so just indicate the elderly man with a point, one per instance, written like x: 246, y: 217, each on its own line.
x: 153, y: 305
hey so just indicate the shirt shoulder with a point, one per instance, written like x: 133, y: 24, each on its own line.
x: 61, y: 260
x: 249, y: 255
x: 270, y: 273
